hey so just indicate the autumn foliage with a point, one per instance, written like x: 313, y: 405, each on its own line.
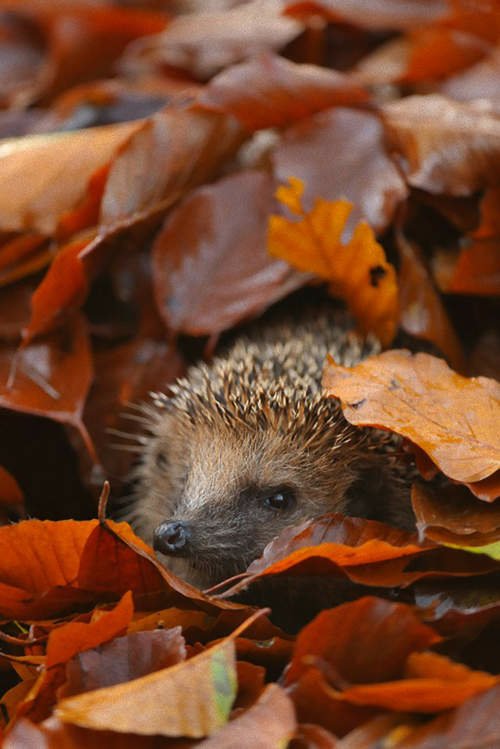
x: 169, y: 171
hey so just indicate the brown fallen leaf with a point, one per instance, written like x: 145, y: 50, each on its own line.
x: 269, y: 91
x: 268, y: 724
x: 334, y: 547
x: 453, y: 419
x: 312, y: 243
x: 59, y: 167
x: 53, y: 734
x: 192, y: 698
x: 382, y: 14
x: 340, y: 153
x: 10, y: 491
x: 474, y: 724
x: 421, y: 309
x: 50, y: 378
x: 311, y: 736
x: 316, y: 702
x: 167, y: 154
x: 206, y: 42
x: 82, y: 42
x: 210, y: 263
x: 432, y: 683
x: 452, y: 515
x: 464, y: 36
x: 445, y: 146
x: 123, y: 659
x: 346, y: 637
x: 480, y: 81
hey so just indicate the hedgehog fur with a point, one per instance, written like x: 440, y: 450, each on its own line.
x: 249, y: 444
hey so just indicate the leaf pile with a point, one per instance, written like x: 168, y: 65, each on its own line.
x: 169, y: 170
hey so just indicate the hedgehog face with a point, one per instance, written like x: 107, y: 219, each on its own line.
x: 213, y: 495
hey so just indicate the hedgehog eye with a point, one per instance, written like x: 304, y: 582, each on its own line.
x: 281, y: 499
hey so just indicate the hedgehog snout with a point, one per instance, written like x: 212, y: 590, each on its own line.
x: 173, y: 538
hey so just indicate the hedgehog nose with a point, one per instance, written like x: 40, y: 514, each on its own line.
x: 172, y: 538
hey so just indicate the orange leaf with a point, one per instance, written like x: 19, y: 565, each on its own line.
x: 357, y: 270
x: 42, y: 177
x: 454, y: 419
x: 433, y: 683
x: 347, y: 637
x: 72, y: 638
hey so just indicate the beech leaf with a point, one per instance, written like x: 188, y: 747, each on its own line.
x: 454, y: 419
x: 341, y: 153
x: 269, y: 91
x: 211, y: 267
x: 43, y: 176
x: 445, y: 146
x: 192, y: 698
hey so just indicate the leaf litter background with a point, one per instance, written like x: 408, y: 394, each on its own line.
x: 170, y: 170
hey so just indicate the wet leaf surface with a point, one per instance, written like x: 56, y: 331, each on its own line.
x: 206, y: 244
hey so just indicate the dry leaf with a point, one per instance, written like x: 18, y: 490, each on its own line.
x: 269, y: 91
x: 340, y: 153
x: 445, y: 146
x: 211, y: 266
x: 192, y: 698
x: 206, y: 42
x: 43, y: 176
x: 453, y: 419
x: 357, y: 270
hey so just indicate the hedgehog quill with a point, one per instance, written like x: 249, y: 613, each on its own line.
x: 249, y: 444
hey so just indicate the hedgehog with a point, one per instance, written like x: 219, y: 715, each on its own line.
x: 249, y: 444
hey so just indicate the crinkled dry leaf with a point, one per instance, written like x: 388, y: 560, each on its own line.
x: 24, y: 583
x: 169, y: 153
x: 340, y: 153
x: 366, y: 552
x: 445, y: 146
x: 474, y: 725
x: 269, y: 91
x: 210, y: 263
x: 82, y: 41
x: 357, y: 270
x: 10, y: 491
x: 454, y: 419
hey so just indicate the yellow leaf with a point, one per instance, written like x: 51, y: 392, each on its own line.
x: 357, y: 270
